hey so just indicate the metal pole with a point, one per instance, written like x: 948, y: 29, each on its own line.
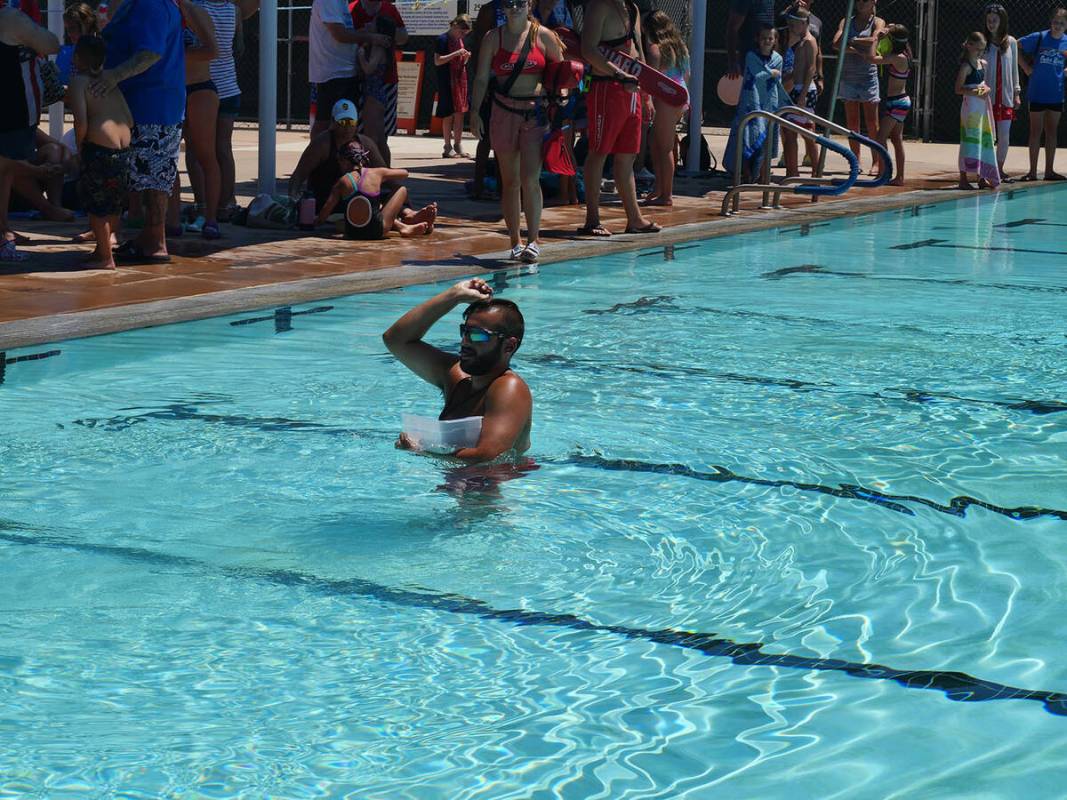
x: 696, y: 85
x: 55, y: 111
x: 268, y: 94
x: 930, y: 35
x: 289, y: 72
x: 837, y: 74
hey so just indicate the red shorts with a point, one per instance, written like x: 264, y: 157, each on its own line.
x: 614, y: 118
x: 1003, y: 113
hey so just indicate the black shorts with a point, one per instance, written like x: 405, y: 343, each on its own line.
x: 1057, y: 107
x: 105, y: 179
x: 327, y: 94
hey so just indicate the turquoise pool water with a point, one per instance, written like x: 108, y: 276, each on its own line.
x: 796, y: 531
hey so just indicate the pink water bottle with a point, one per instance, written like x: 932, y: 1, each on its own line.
x: 305, y: 215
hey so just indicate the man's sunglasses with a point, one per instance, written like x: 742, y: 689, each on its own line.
x: 345, y: 123
x: 476, y: 335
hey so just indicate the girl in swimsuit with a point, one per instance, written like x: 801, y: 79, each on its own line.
x: 1002, y: 55
x: 201, y: 120
x: 897, y: 103
x: 360, y: 189
x: 666, y: 51
x: 978, y: 156
x: 799, y: 65
x: 517, y: 123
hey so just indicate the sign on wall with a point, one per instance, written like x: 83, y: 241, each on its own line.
x: 409, y: 69
x: 427, y: 17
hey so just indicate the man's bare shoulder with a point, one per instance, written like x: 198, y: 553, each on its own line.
x: 510, y: 384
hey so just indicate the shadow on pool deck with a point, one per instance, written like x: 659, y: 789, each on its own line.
x: 39, y: 297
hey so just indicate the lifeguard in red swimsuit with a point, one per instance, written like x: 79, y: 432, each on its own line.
x: 615, y: 109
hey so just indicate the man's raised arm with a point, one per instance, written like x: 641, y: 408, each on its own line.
x: 404, y: 338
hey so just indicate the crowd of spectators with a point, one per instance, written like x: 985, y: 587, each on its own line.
x: 542, y: 98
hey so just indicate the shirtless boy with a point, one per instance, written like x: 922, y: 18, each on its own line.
x: 615, y: 108
x: 102, y: 127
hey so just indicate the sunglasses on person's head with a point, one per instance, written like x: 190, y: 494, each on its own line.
x: 513, y: 3
x: 476, y: 335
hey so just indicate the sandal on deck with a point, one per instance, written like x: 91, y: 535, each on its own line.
x: 593, y: 230
x: 651, y: 227
x: 130, y: 253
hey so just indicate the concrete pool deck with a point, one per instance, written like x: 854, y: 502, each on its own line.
x: 50, y: 298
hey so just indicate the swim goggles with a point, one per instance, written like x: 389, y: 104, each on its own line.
x: 476, y: 335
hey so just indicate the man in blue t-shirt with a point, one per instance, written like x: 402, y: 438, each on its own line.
x: 146, y: 60
x: 1043, y: 56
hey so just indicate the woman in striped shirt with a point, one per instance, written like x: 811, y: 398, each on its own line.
x: 227, y: 19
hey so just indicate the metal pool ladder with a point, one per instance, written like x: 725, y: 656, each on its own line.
x: 816, y: 187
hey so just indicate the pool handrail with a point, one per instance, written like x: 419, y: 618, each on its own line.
x: 835, y: 186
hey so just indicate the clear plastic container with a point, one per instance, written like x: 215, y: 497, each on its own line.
x: 436, y: 436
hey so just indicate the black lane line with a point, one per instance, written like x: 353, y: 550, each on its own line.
x: 890, y: 394
x: 5, y: 361
x: 642, y: 305
x: 1019, y: 223
x: 815, y: 269
x: 956, y: 507
x: 956, y: 686
x: 282, y: 317
x: 944, y: 243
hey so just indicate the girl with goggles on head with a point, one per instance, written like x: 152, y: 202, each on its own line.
x: 515, y: 56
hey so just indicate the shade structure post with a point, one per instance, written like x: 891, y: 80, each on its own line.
x: 268, y: 95
x: 55, y: 25
x: 696, y: 84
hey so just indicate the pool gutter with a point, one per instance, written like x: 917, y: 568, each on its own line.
x: 95, y: 322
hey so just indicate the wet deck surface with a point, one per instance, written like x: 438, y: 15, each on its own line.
x: 47, y: 297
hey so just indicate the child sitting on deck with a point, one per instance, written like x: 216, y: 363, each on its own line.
x: 360, y: 190
x: 102, y: 128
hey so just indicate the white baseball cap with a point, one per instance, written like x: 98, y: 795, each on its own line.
x: 344, y: 109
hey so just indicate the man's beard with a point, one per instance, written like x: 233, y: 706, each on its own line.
x: 480, y: 365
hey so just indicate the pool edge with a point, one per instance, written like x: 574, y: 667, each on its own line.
x: 97, y: 322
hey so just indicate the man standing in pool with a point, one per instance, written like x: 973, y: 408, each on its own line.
x: 479, y: 381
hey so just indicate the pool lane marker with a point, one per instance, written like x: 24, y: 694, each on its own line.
x: 815, y: 269
x: 1019, y: 223
x: 282, y: 317
x: 956, y: 507
x: 4, y: 360
x: 956, y: 686
x: 944, y: 243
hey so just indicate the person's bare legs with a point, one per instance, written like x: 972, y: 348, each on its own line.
x: 373, y: 117
x: 174, y: 205
x: 202, y: 112
x: 1003, y: 141
x: 224, y: 156
x: 6, y: 180
x: 1052, y: 121
x: 791, y: 152
x: 446, y: 133
x: 530, y: 175
x: 898, y: 151
x: 52, y: 156
x: 870, y: 118
x: 27, y: 180
x: 886, y: 130
x: 626, y: 186
x: 664, y: 126
x: 852, y: 122
x: 481, y: 164
x: 1037, y: 125
x: 457, y: 133
x: 509, y: 165
x: 390, y: 216
x: 101, y: 257
x: 594, y: 173
x: 152, y: 240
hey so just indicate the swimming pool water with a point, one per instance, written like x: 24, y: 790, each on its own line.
x: 763, y: 462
